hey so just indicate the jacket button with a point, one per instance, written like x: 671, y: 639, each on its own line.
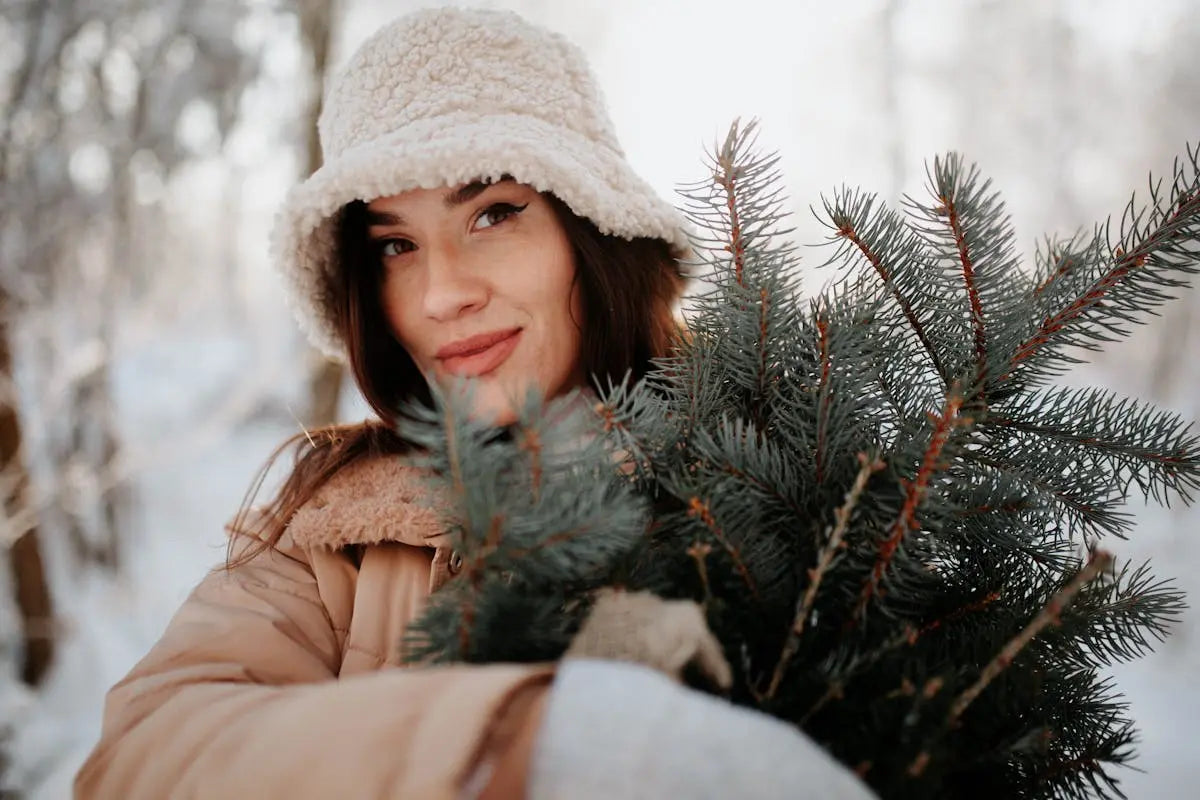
x: 456, y: 562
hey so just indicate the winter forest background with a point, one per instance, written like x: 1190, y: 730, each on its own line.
x: 148, y: 365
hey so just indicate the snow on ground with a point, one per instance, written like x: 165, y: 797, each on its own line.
x: 181, y: 503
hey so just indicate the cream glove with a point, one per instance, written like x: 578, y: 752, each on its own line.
x: 640, y: 627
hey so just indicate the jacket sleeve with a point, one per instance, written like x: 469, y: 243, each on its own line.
x: 239, y: 698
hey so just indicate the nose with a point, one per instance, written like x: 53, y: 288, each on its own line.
x: 453, y: 286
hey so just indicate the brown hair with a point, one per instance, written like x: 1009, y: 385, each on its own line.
x: 628, y: 289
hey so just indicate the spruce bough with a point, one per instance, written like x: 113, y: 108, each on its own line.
x: 890, y: 515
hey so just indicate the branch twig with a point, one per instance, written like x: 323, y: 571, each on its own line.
x: 1098, y: 563
x: 824, y: 559
x: 726, y: 178
x: 968, y: 270
x: 824, y: 395
x: 847, y: 231
x: 915, y: 491
x: 699, y: 509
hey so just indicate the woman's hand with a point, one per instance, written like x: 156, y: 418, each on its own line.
x: 642, y: 628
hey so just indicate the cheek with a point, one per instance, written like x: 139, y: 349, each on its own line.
x: 401, y: 314
x: 574, y: 327
x: 562, y: 311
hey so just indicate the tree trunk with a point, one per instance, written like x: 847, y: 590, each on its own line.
x: 324, y: 391
x: 93, y: 525
x: 32, y: 589
x: 316, y: 32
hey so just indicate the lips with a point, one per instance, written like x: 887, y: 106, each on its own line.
x: 479, y: 355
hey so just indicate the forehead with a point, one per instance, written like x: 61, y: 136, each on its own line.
x: 448, y: 197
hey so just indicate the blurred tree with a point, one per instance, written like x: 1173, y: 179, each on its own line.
x: 97, y: 97
x: 35, y: 608
x: 21, y: 538
x: 317, y: 20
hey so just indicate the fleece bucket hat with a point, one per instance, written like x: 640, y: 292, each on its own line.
x: 445, y: 96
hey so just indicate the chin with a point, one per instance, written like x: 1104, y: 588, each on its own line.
x: 500, y: 403
x: 492, y: 403
x: 498, y: 411
x: 497, y: 401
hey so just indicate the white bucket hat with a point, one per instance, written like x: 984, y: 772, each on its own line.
x: 441, y: 97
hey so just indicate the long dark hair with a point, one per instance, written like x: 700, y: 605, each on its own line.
x: 628, y: 289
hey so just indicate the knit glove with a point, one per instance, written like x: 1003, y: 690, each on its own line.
x: 614, y: 731
x: 640, y: 627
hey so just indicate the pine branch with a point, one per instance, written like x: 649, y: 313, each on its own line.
x: 737, y: 212
x: 1155, y: 447
x: 626, y: 415
x: 1116, y: 620
x: 824, y: 560
x: 745, y: 442
x: 764, y: 306
x: 824, y: 394
x: 726, y: 177
x: 1083, y: 774
x: 450, y: 423
x: 950, y: 210
x: 968, y: 230
x: 828, y: 402
x: 531, y: 443
x: 1156, y: 242
x: 958, y: 613
x: 1090, y: 298
x: 740, y: 452
x: 466, y: 616
x: 1098, y: 562
x: 835, y: 690
x: 914, y: 495
x: 699, y: 552
x: 698, y: 509
x: 1061, y: 261
x: 1050, y: 476
x: 883, y: 240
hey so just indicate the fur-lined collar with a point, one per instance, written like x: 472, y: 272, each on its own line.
x: 382, y: 499
x: 373, y: 500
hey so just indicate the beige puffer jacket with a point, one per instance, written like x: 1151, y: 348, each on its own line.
x: 282, y: 678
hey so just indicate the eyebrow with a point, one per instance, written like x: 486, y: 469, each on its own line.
x: 451, y: 200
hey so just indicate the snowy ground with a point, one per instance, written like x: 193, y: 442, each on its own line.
x: 180, y: 506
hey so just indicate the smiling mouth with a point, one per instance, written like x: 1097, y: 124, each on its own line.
x: 477, y: 363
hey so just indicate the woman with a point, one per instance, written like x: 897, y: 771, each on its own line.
x: 474, y: 217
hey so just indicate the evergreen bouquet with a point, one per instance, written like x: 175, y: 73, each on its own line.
x: 888, y: 513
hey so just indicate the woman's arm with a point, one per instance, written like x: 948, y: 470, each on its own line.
x: 618, y: 730
x: 239, y: 699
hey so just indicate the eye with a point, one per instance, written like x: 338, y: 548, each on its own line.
x: 496, y: 213
x: 394, y: 247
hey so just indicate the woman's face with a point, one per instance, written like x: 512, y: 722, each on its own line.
x: 478, y: 282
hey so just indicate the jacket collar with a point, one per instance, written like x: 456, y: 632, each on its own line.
x: 382, y: 499
x: 375, y: 499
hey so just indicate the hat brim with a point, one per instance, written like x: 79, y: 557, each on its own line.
x: 594, y: 181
